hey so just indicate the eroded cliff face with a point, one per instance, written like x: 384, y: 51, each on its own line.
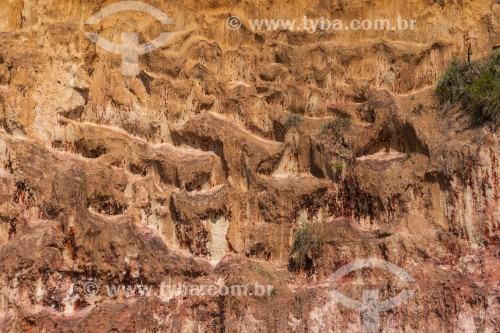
x: 187, y: 174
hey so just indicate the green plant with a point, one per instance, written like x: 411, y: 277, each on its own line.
x: 451, y: 85
x: 337, y: 126
x: 338, y: 166
x: 307, y: 243
x: 476, y: 86
x: 484, y: 93
x: 293, y: 120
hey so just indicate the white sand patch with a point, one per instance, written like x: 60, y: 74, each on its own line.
x: 218, y: 238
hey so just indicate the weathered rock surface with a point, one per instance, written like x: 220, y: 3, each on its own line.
x: 187, y: 174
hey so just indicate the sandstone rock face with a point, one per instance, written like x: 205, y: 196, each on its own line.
x: 186, y: 172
